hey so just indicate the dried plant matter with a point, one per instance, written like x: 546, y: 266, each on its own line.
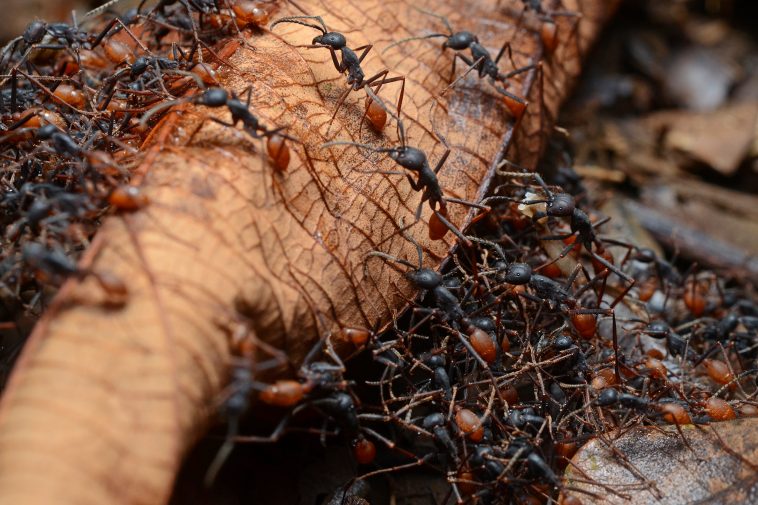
x: 107, y: 399
x: 714, y: 465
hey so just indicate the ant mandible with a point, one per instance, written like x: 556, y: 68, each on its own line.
x: 350, y: 64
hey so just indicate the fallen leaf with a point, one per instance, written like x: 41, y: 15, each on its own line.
x: 652, y: 465
x: 721, y: 139
x: 105, y: 402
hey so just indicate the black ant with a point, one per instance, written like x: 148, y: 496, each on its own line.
x: 481, y: 60
x: 217, y: 98
x: 426, y: 279
x: 416, y: 161
x: 564, y: 205
x: 58, y: 265
x: 448, y: 307
x: 350, y: 63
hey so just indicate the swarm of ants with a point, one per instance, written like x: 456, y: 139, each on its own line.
x: 75, y: 100
x: 541, y: 332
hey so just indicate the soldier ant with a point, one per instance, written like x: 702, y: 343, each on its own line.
x: 481, y: 60
x: 240, y: 111
x: 415, y: 161
x: 563, y: 205
x: 350, y: 63
x: 58, y: 265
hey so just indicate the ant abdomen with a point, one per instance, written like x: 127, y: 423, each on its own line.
x: 278, y: 152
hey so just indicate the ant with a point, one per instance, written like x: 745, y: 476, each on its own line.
x: 350, y: 63
x: 415, y: 161
x: 322, y: 388
x: 57, y: 264
x: 479, y: 343
x: 217, y: 98
x: 564, y: 205
x: 240, y: 111
x: 481, y: 60
x: 426, y: 279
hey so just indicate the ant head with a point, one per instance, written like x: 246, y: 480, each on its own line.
x: 424, y: 278
x: 657, y: 329
x: 563, y: 342
x: 47, y: 131
x: 645, y: 255
x: 139, y: 66
x: 213, y: 97
x: 35, y: 32
x: 608, y: 396
x: 433, y: 420
x: 334, y: 40
x: 460, y: 41
x: 409, y: 157
x: 435, y: 360
x: 518, y: 274
x: 561, y: 205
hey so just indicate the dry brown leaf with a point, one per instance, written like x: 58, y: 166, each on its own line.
x: 106, y: 401
x: 721, y: 138
x: 718, y: 465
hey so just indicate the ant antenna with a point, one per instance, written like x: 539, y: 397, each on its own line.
x: 409, y: 39
x: 161, y: 107
x: 438, y: 16
x: 296, y: 20
x: 388, y: 257
x: 98, y: 10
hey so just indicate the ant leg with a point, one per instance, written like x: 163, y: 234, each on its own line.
x: 230, y: 124
x: 418, y: 462
x: 249, y: 91
x: 472, y: 66
x: 467, y: 203
x: 450, y: 226
x: 506, y: 46
x: 104, y: 32
x: 340, y: 67
x: 442, y: 160
x: 365, y: 50
x: 14, y: 90
x: 513, y: 73
x: 399, y: 105
x: 273, y: 438
x: 337, y: 108
x: 610, y: 266
x: 329, y: 350
x: 223, y: 453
